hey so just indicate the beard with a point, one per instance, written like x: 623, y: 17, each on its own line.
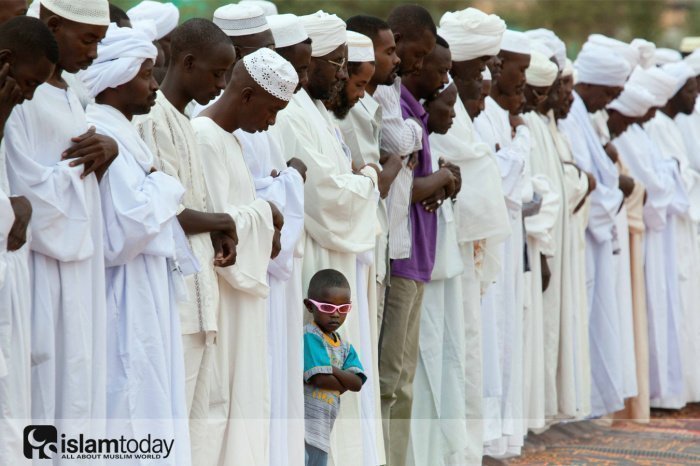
x: 340, y: 104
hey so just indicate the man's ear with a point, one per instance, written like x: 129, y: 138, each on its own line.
x: 246, y: 94
x: 188, y: 62
x: 6, y: 56
x: 54, y: 23
x: 397, y: 37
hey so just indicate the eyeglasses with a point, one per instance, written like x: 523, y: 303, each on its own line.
x: 328, y: 308
x: 334, y: 63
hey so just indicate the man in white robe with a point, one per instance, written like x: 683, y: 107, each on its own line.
x: 68, y: 294
x: 239, y: 428
x: 143, y: 247
x: 601, y: 75
x: 339, y: 221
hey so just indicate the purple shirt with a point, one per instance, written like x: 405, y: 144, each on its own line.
x: 419, y: 266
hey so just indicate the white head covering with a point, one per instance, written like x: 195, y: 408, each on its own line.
x: 568, y: 68
x: 515, y: 42
x: 689, y: 44
x: 542, y: 71
x: 147, y: 27
x: 327, y: 32
x: 646, y: 51
x: 694, y: 61
x: 634, y: 101
x: 681, y: 72
x: 486, y: 74
x: 551, y: 41
x: 272, y: 72
x: 240, y: 20
x: 268, y: 8
x: 623, y: 49
x: 119, y: 58
x: 95, y: 12
x: 600, y: 66
x: 471, y: 33
x: 360, y: 47
x: 287, y: 30
x: 659, y: 83
x: 33, y: 10
x: 165, y: 15
x: 663, y: 56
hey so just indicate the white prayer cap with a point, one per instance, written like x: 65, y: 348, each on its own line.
x: 542, y: 71
x: 601, y: 66
x: 95, y: 12
x: 646, y: 51
x: 268, y: 8
x: 33, y: 10
x: 681, y: 72
x: 471, y: 33
x: 327, y: 32
x: 634, y: 101
x: 663, y: 56
x: 272, y: 72
x: 287, y: 30
x: 119, y: 58
x: 360, y: 47
x: 659, y: 83
x: 694, y: 61
x: 515, y: 42
x: 551, y: 41
x: 623, y: 49
x: 486, y: 74
x: 165, y: 15
x: 240, y: 20
x: 568, y: 68
x: 689, y: 44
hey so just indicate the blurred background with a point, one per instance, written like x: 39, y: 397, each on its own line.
x: 665, y: 22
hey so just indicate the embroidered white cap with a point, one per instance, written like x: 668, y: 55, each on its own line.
x: 95, y: 12
x: 240, y: 20
x: 272, y: 72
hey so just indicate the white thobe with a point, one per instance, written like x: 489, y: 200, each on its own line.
x: 145, y: 365
x: 502, y: 305
x: 669, y: 138
x: 239, y: 427
x: 67, y: 263
x: 340, y: 226
x: 285, y: 303
x: 604, y: 324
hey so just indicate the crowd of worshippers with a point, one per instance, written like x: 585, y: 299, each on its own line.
x: 212, y: 233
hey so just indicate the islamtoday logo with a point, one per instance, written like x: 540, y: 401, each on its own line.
x: 44, y: 442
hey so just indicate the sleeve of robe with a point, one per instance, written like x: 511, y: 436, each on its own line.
x: 7, y: 219
x: 539, y: 227
x: 139, y: 219
x: 340, y: 208
x: 60, y: 221
x: 399, y: 136
x: 512, y: 165
x: 253, y: 221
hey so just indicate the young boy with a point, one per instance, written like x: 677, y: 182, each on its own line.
x: 331, y: 365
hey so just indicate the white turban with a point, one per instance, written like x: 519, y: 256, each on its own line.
x: 659, y: 83
x: 542, y: 71
x: 165, y: 15
x: 600, y: 66
x: 360, y: 47
x: 623, y: 49
x: 268, y: 8
x: 568, y: 68
x: 471, y: 33
x: 515, y: 42
x: 327, y: 32
x: 486, y: 74
x: 34, y: 9
x: 663, y: 56
x: 681, y: 72
x: 646, y: 50
x: 287, y: 30
x: 689, y: 44
x: 272, y: 72
x: 119, y: 58
x: 694, y: 61
x: 551, y: 41
x: 634, y: 101
x: 240, y: 20
x: 95, y: 12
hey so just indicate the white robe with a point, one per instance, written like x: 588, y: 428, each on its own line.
x: 481, y: 217
x: 145, y: 366
x: 604, y: 329
x: 239, y: 427
x: 285, y: 307
x: 67, y: 264
x: 502, y: 305
x: 340, y: 225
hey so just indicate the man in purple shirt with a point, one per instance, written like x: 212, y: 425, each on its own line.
x: 400, y: 329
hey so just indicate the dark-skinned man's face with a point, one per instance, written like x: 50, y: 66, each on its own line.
x: 386, y: 60
x: 412, y: 50
x: 326, y: 74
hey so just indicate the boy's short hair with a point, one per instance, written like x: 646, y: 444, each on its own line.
x: 28, y: 38
x: 195, y: 35
x: 326, y: 278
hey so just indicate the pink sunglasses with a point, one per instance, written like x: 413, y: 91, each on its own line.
x: 328, y: 308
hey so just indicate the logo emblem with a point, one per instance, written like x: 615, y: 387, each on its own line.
x: 40, y: 442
